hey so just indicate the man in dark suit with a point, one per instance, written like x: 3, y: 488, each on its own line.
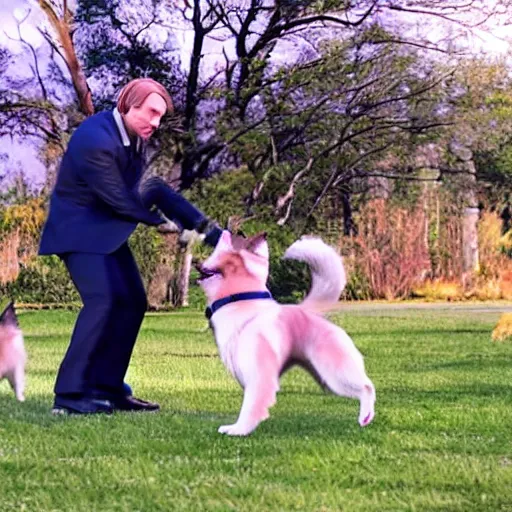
x: 95, y: 206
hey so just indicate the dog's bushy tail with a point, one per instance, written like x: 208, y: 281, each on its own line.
x: 327, y: 271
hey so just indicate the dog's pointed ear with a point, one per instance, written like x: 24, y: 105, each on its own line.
x: 257, y: 242
x: 226, y: 238
x: 8, y: 316
x: 240, y: 241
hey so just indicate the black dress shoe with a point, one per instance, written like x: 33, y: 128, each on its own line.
x: 82, y: 405
x: 130, y: 403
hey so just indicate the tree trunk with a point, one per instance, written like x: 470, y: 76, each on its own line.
x: 470, y: 242
x: 349, y: 227
x: 63, y: 28
x: 470, y: 214
x: 184, y: 277
x: 179, y: 285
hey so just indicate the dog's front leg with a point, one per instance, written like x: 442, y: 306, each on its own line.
x: 17, y: 381
x: 259, y: 396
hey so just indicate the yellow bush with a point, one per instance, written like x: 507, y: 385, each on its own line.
x: 28, y: 218
x: 492, y: 259
x: 440, y: 290
x: 503, y: 329
x: 20, y: 228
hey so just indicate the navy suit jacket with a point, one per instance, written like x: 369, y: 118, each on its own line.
x: 95, y: 205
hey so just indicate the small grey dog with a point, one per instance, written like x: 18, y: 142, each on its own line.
x: 12, y: 352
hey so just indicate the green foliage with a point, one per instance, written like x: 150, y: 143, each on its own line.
x: 223, y: 195
x: 288, y: 280
x: 406, y: 193
x: 196, y: 296
x: 495, y: 171
x: 4, y: 302
x: 26, y: 215
x: 44, y: 280
x: 147, y: 247
x: 359, y: 105
x: 480, y: 102
x: 358, y: 287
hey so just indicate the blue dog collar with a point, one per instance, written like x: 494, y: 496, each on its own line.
x: 235, y: 298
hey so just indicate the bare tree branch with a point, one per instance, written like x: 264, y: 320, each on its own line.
x: 35, y: 67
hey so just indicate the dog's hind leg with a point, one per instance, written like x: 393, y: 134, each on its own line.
x: 261, y: 384
x: 339, y: 365
x: 16, y: 379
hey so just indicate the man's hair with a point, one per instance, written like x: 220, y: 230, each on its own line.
x: 134, y: 93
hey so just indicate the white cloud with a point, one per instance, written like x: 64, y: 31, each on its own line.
x: 22, y: 160
x: 23, y: 16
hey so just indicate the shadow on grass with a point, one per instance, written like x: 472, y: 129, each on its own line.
x: 444, y: 395
x: 308, y: 412
x: 464, y: 365
x: 57, y: 336
x: 411, y: 331
x: 175, y: 332
x: 192, y: 355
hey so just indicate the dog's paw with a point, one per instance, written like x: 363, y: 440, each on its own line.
x: 235, y: 430
x: 21, y: 398
x: 366, y: 420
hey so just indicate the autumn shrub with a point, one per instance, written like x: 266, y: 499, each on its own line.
x: 494, y: 277
x: 9, y: 263
x: 44, y: 280
x: 20, y: 225
x: 391, y: 249
x: 439, y: 289
x: 446, y: 249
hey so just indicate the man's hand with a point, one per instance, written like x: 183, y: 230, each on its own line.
x: 168, y: 226
x: 187, y: 236
x: 190, y: 237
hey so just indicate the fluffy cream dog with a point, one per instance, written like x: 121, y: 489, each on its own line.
x: 258, y: 339
x: 12, y: 352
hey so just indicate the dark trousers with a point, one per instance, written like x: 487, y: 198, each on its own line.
x: 114, y: 303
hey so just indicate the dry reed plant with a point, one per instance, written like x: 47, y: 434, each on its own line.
x: 20, y: 227
x: 448, y: 250
x: 494, y: 280
x: 392, y: 249
x: 9, y: 262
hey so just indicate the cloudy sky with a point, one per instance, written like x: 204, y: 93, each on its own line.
x: 10, y: 10
x: 20, y: 157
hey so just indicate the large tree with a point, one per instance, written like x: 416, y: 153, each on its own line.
x: 351, y: 84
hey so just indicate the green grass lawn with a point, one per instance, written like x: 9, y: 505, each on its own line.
x: 441, y: 439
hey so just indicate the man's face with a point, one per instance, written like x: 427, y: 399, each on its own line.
x: 144, y: 120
